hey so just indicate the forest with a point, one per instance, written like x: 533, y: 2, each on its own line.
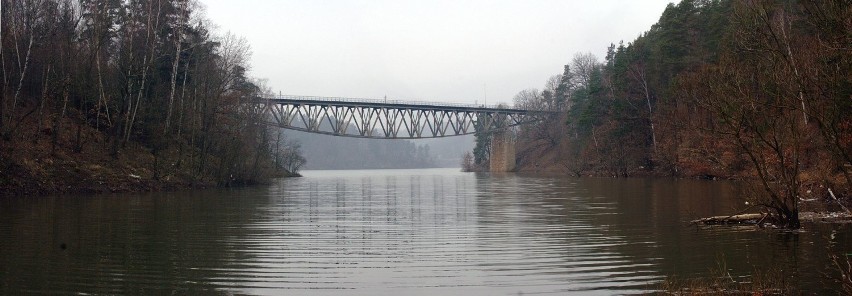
x: 114, y: 95
x: 759, y: 91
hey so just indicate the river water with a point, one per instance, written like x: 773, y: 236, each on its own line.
x: 401, y: 232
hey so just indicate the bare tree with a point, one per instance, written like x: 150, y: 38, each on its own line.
x: 291, y: 157
x: 178, y: 41
x: 25, y: 17
x: 234, y: 54
x: 637, y: 72
x: 583, y: 66
x: 467, y: 162
x: 151, y: 41
x: 758, y: 117
x: 529, y: 99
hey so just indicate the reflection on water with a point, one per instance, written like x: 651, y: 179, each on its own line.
x: 390, y: 232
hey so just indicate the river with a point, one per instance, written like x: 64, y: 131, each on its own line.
x: 402, y: 232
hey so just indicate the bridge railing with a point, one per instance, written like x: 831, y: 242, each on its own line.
x: 387, y: 101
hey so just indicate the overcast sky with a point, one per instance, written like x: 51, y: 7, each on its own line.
x: 454, y: 51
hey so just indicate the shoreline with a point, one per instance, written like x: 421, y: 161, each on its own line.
x: 130, y: 185
x: 32, y: 170
x: 756, y: 219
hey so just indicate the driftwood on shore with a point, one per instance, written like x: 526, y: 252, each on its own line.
x: 732, y: 219
x: 830, y: 217
x: 826, y: 217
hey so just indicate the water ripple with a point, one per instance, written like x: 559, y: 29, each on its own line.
x: 425, y: 232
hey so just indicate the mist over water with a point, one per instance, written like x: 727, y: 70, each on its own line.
x: 399, y: 232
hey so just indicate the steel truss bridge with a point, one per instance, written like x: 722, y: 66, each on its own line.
x: 388, y: 119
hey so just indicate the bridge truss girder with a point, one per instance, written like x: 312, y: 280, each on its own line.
x: 391, y: 121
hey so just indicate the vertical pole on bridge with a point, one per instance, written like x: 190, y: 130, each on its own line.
x: 502, y: 151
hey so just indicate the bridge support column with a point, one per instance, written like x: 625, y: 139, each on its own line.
x: 502, y: 151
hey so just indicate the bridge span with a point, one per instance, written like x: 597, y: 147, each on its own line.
x: 390, y: 119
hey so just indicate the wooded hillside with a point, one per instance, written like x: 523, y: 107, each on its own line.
x: 755, y: 90
x: 104, y: 95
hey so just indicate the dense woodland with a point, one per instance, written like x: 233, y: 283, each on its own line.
x: 110, y: 95
x: 752, y: 90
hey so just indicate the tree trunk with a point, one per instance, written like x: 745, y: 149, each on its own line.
x: 102, y: 101
x: 181, y: 102
x: 178, y: 44
x: 57, y: 122
x: 41, y: 104
x: 78, y: 146
x: 151, y: 44
x: 783, y: 24
x: 21, y: 80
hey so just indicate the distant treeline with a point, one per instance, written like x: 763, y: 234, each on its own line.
x: 758, y: 90
x: 325, y: 152
x: 88, y: 78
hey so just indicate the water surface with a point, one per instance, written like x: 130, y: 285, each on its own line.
x: 400, y: 232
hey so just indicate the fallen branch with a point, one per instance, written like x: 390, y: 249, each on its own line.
x: 838, y: 201
x: 759, y: 219
x: 733, y: 219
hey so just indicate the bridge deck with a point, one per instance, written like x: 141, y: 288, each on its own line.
x: 390, y: 119
x: 390, y: 104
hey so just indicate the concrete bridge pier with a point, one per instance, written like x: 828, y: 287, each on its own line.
x: 502, y: 151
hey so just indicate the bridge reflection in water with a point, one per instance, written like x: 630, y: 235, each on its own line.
x: 388, y: 119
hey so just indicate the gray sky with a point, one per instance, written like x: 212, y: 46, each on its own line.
x: 454, y: 51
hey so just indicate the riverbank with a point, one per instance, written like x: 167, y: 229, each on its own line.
x: 78, y: 174
x: 82, y: 163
